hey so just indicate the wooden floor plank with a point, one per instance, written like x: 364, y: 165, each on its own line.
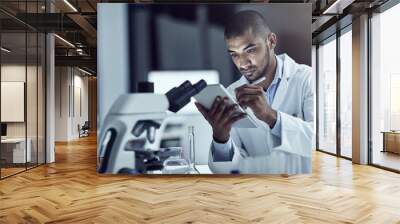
x: 70, y: 191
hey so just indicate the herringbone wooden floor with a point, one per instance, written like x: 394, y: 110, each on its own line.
x: 70, y: 191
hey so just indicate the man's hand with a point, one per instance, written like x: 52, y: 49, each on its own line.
x: 221, y: 116
x: 253, y: 96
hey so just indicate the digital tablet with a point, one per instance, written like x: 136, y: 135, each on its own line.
x: 207, y: 96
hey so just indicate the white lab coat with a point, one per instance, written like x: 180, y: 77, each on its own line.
x: 257, y: 150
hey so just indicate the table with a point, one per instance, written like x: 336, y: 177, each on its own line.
x: 391, y: 141
x: 203, y: 169
x: 16, y: 148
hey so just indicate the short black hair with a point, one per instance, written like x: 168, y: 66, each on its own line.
x: 244, y: 21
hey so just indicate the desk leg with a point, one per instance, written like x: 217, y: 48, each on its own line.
x: 384, y: 142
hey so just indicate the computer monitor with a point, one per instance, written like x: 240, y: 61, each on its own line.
x: 3, y: 129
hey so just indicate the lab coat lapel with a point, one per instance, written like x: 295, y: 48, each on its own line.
x: 280, y: 93
x: 283, y: 85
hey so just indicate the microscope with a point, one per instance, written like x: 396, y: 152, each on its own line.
x: 128, y: 140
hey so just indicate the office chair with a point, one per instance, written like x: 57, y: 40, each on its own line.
x: 84, y: 130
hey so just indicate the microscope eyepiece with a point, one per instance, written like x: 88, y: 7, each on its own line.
x: 200, y: 85
x: 179, y: 96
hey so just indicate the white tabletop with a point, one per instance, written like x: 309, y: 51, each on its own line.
x: 203, y: 169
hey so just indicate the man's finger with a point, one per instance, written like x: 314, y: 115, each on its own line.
x: 221, y: 109
x: 247, y: 100
x: 247, y: 86
x: 214, y: 106
x: 229, y: 112
x: 260, y: 84
x: 251, y: 91
x: 240, y: 88
x: 242, y: 95
x: 202, y: 110
x: 236, y: 118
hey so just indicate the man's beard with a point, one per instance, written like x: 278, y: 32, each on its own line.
x: 263, y: 71
x: 260, y: 75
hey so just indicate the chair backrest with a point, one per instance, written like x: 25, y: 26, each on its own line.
x: 86, y: 124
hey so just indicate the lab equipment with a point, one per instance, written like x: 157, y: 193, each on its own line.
x: 176, y: 164
x: 130, y: 137
x: 191, y: 150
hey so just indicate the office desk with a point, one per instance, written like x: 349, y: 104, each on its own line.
x: 391, y: 141
x: 15, y: 148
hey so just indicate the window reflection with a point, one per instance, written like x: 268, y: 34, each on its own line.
x: 385, y: 84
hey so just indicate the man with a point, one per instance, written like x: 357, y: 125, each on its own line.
x: 283, y: 104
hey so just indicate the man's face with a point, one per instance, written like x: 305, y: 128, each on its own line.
x: 250, y: 53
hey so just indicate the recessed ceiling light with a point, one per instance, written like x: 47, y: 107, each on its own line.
x: 338, y: 6
x: 5, y: 50
x: 84, y: 71
x: 65, y: 41
x: 70, y: 5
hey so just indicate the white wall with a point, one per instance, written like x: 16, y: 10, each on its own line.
x: 70, y: 83
x: 112, y: 62
x: 61, y: 103
x: 80, y: 83
x: 33, y: 126
x: 17, y: 73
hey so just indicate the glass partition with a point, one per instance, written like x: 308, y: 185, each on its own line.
x: 41, y: 91
x: 346, y: 94
x: 327, y: 96
x: 22, y: 77
x: 14, y: 153
x: 32, y: 96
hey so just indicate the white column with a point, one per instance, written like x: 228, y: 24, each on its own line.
x: 50, y: 92
x: 50, y: 99
x: 360, y: 90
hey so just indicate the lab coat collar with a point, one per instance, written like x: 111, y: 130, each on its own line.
x: 278, y: 72
x: 288, y: 68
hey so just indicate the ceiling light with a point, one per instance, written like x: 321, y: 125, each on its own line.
x: 337, y: 7
x: 65, y: 41
x: 5, y: 50
x: 70, y: 5
x: 84, y: 71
